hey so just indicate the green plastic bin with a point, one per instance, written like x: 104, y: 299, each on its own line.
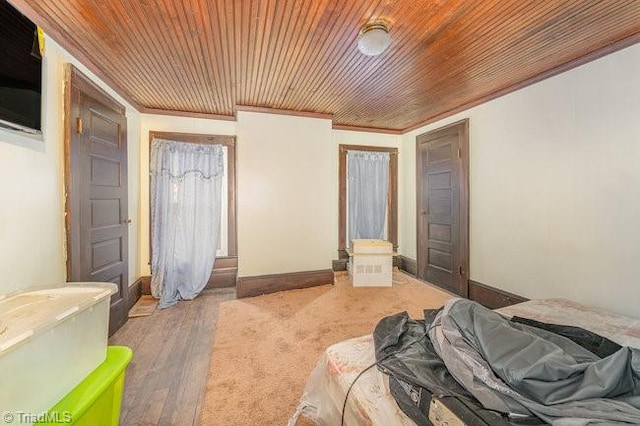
x: 96, y: 400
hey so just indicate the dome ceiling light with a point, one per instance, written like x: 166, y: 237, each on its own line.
x: 374, y: 38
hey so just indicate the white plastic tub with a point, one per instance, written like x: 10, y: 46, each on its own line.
x: 50, y: 340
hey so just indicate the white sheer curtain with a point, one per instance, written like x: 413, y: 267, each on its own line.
x: 186, y: 181
x: 368, y: 180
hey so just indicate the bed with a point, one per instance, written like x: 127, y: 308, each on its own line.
x: 370, y: 402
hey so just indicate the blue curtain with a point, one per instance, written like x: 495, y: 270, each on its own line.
x: 368, y: 181
x: 186, y: 198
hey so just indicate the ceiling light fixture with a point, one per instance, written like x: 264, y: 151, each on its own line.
x: 374, y: 38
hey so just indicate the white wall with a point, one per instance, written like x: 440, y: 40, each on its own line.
x: 32, y: 250
x: 285, y: 212
x: 288, y: 191
x: 554, y: 186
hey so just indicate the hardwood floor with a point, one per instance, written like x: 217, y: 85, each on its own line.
x: 165, y: 382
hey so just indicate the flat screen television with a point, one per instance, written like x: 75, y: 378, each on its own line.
x: 20, y: 71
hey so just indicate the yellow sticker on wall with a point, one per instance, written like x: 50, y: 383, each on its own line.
x: 40, y: 40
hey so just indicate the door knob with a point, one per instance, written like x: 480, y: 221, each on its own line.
x: 127, y: 221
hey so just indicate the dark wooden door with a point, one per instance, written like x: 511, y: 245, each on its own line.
x: 442, y: 207
x: 97, y: 192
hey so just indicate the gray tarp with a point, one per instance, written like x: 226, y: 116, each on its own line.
x: 517, y: 369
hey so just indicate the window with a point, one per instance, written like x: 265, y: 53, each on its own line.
x: 226, y: 246
x: 391, y: 216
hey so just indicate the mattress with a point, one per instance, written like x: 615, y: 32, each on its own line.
x: 370, y: 402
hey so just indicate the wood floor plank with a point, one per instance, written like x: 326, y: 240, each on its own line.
x: 181, y: 363
x: 182, y: 384
x: 153, y: 412
x: 210, y: 322
x: 164, y: 384
x: 152, y: 354
x: 168, y: 364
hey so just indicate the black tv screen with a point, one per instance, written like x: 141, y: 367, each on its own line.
x: 20, y: 71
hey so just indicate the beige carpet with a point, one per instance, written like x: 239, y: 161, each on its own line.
x: 266, y: 346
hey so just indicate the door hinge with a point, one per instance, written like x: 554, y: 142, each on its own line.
x: 461, y: 270
x: 459, y: 152
x: 79, y: 125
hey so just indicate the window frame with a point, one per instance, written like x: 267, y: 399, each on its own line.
x: 392, y: 199
x: 230, y: 143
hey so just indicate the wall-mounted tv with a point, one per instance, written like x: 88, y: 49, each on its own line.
x: 20, y: 71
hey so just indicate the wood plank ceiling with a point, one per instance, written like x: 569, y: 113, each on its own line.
x: 208, y: 56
